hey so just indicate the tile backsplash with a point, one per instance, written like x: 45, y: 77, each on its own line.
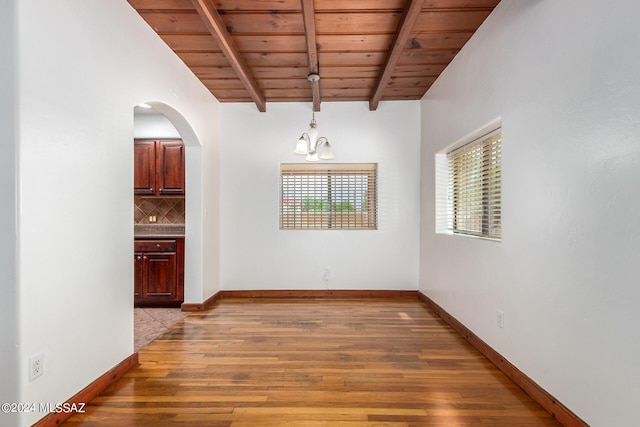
x: 167, y: 210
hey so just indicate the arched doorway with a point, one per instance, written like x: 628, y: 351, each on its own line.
x: 163, y: 122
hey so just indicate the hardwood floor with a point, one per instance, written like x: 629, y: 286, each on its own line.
x: 313, y: 362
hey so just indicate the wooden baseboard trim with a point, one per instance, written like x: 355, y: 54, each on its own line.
x: 91, y: 391
x: 557, y: 410
x: 319, y: 294
x: 203, y: 306
x: 293, y: 293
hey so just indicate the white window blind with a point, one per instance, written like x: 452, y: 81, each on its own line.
x: 474, y: 190
x: 320, y: 196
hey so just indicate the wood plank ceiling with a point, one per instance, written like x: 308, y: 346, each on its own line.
x: 364, y: 50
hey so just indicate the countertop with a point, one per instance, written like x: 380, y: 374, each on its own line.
x: 154, y: 231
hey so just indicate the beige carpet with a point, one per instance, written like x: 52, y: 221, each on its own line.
x: 150, y: 323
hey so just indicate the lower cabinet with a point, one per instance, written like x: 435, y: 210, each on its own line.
x: 159, y: 272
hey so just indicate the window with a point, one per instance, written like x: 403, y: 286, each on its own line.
x: 474, y: 187
x: 320, y: 196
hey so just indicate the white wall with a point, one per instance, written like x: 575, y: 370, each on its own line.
x: 154, y: 125
x: 80, y: 77
x: 563, y: 75
x: 8, y: 206
x: 258, y: 255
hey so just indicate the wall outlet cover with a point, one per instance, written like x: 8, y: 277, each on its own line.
x: 500, y: 318
x: 36, y: 366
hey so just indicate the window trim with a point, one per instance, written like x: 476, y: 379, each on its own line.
x: 330, y: 219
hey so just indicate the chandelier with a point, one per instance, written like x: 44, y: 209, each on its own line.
x: 309, y: 144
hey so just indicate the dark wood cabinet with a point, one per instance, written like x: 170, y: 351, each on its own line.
x: 171, y: 167
x: 159, y: 272
x: 159, y: 167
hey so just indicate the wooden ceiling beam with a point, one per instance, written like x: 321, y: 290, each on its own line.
x: 309, y: 17
x: 407, y: 22
x: 218, y: 30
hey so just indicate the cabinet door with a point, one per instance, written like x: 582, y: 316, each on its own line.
x: 158, y: 272
x: 138, y: 275
x: 144, y: 170
x: 162, y: 278
x: 171, y: 165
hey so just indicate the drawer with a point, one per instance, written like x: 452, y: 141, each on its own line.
x: 155, y: 246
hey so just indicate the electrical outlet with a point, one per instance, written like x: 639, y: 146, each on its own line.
x: 500, y: 318
x: 36, y: 366
x: 327, y: 274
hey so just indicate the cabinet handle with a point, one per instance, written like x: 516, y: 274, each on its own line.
x: 144, y: 257
x: 158, y: 245
x: 138, y: 257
